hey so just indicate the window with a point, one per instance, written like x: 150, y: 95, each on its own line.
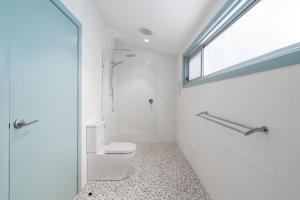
x: 195, y: 66
x: 247, y: 31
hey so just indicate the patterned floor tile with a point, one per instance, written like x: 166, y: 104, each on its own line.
x: 158, y: 172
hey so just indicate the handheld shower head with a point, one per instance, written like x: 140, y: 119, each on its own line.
x: 114, y: 64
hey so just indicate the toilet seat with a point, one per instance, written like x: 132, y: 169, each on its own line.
x: 119, y: 148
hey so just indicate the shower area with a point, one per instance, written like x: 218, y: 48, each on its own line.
x: 113, y: 65
x: 127, y: 89
x: 135, y: 102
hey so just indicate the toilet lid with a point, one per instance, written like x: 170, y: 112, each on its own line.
x: 120, y: 148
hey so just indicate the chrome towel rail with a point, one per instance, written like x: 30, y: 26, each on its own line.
x: 215, y: 119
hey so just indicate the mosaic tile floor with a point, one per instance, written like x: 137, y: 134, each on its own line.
x: 158, y: 172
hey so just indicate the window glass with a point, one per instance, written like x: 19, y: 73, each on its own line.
x: 195, y: 66
x: 268, y: 26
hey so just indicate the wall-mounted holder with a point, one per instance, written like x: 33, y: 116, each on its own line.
x: 251, y: 130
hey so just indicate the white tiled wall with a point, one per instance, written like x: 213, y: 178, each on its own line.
x: 94, y: 38
x: 149, y: 75
x: 235, y: 167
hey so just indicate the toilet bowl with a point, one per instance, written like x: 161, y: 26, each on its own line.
x: 106, y: 162
x: 112, y: 162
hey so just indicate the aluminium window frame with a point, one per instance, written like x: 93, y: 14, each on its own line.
x: 279, y: 58
x: 189, y: 57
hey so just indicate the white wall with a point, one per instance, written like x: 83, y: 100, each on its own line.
x: 94, y: 39
x: 148, y: 75
x: 232, y: 166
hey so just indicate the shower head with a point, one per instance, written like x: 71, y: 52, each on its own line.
x: 114, y: 64
x: 129, y: 54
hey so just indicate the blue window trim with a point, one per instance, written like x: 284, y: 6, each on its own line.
x: 280, y: 58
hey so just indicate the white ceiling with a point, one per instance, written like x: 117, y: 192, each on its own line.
x: 172, y: 21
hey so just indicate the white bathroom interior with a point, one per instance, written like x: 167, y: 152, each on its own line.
x: 183, y: 100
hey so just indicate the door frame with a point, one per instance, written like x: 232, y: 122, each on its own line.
x: 6, y: 162
x: 4, y: 103
x: 70, y: 15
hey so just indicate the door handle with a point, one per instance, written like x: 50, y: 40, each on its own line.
x: 20, y: 123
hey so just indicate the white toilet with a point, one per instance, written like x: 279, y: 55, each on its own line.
x: 106, y: 162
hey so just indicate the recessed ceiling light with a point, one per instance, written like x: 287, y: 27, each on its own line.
x: 146, y: 40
